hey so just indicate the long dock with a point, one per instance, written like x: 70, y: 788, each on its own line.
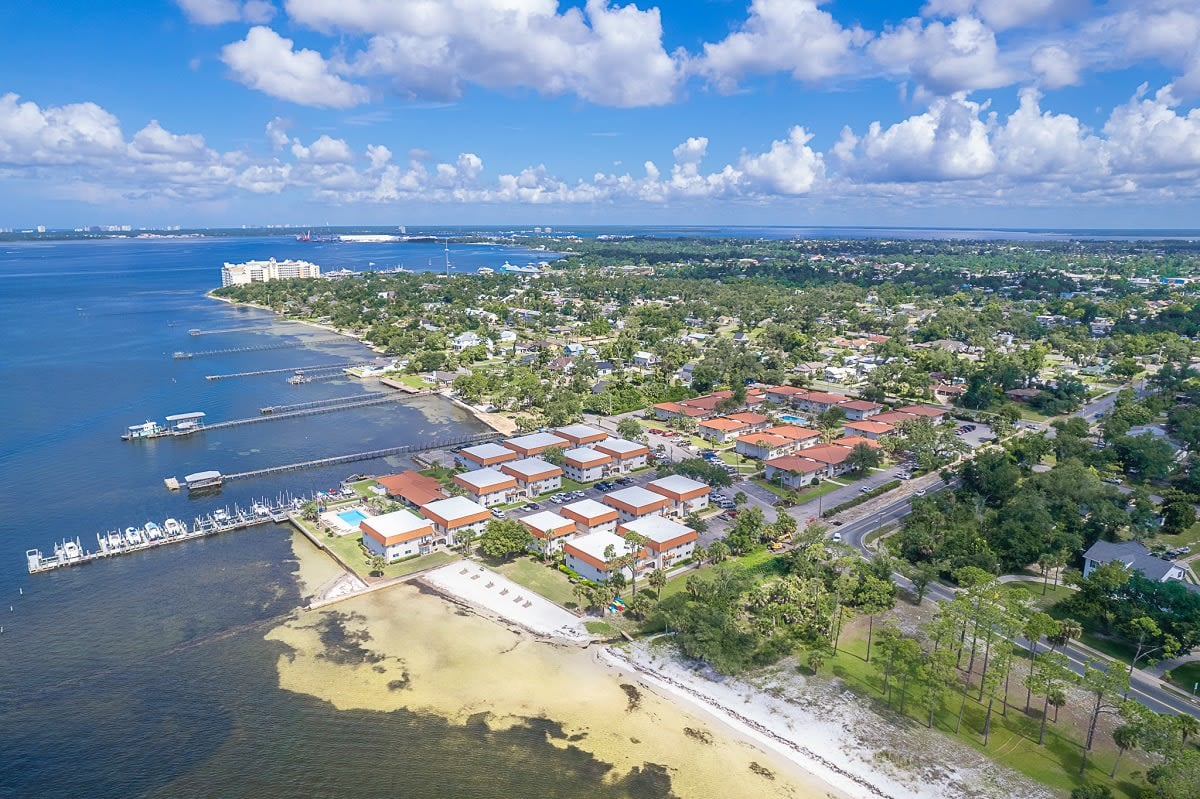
x: 195, y: 331
x: 300, y: 406
x: 477, y: 438
x: 152, y: 535
x: 374, y: 399
x: 285, y: 369
x: 279, y: 345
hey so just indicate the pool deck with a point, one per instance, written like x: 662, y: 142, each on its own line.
x: 340, y: 526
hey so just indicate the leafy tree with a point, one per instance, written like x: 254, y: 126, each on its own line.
x: 504, y: 538
x: 555, y: 455
x: 863, y: 457
x: 1178, y: 516
x: 1092, y: 790
x: 629, y: 429
x: 377, y: 564
x: 1144, y: 457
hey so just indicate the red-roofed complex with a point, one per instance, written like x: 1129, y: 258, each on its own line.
x: 412, y: 488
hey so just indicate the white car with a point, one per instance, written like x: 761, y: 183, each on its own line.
x: 836, y: 537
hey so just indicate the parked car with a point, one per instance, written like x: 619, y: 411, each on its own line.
x: 920, y: 492
x: 499, y: 514
x: 533, y: 506
x: 624, y: 481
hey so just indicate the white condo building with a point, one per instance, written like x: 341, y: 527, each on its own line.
x: 264, y: 271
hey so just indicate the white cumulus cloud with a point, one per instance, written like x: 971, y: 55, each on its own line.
x: 944, y: 58
x: 606, y: 54
x: 793, y: 36
x: 266, y: 61
x: 218, y: 12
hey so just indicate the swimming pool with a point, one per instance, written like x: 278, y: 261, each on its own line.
x: 352, y: 517
x: 790, y: 419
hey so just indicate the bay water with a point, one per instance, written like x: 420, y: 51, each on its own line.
x: 149, y: 675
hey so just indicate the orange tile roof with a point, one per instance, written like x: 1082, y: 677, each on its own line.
x: 412, y: 487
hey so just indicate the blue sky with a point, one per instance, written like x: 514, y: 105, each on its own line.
x: 1000, y: 113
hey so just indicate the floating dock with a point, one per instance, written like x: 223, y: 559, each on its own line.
x: 151, y: 535
x: 179, y: 424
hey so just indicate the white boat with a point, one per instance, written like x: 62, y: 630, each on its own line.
x: 261, y: 509
x: 174, y: 527
x: 220, y: 515
x: 114, y: 539
x: 70, y: 550
x: 153, y: 531
x: 133, y: 537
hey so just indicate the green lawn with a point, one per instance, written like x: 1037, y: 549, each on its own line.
x: 1189, y: 537
x: 1013, y: 740
x: 1186, y: 676
x: 347, y: 548
x: 762, y: 562
x: 412, y: 381
x: 363, y: 488
x: 1033, y: 589
x: 534, y: 575
x: 804, y: 495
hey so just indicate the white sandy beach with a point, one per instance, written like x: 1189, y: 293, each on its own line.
x: 828, y: 735
x: 496, y: 595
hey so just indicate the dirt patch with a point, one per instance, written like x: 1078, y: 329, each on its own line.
x: 703, y: 736
x: 633, y: 697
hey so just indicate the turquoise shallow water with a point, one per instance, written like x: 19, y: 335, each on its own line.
x: 147, y: 675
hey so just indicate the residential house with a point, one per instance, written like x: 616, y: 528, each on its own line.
x: 586, y: 465
x: 857, y: 410
x: 397, y: 535
x: 644, y: 359
x: 835, y: 457
x: 1133, y: 555
x: 488, y: 486
x: 635, y: 502
x: 784, y: 395
x: 756, y: 421
x: 581, y: 435
x: 626, y: 455
x: 589, y: 555
x: 803, y: 436
x: 468, y: 339
x: 793, y: 471
x: 868, y: 429
x: 721, y: 430
x: 535, y: 443
x: 666, y: 411
x: 454, y: 516
x: 590, y: 516
x: 764, y: 446
x: 549, y: 531
x: 818, y: 401
x: 686, y: 495
x: 666, y: 541
x: 534, y: 476
x: 412, y: 488
x: 893, y: 417
x: 934, y: 415
x: 485, y: 455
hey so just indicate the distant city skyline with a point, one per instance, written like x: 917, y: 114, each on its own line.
x: 943, y: 113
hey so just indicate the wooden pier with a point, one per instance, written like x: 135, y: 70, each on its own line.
x: 284, y: 370
x: 195, y: 331
x: 279, y: 345
x: 151, y: 536
x: 477, y: 438
x: 302, y: 406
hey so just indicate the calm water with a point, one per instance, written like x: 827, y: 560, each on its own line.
x: 147, y: 675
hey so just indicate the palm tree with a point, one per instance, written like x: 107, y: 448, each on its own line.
x: 1126, y: 737
x: 1068, y: 630
x: 657, y: 580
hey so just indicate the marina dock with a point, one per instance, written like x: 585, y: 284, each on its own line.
x: 151, y: 535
